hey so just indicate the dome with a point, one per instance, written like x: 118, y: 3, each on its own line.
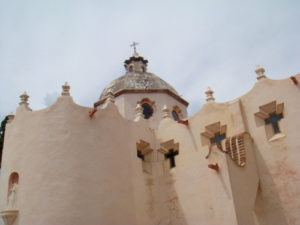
x: 133, y: 81
x: 138, y: 80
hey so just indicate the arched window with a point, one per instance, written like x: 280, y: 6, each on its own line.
x: 148, y: 107
x: 175, y: 115
x: 147, y: 110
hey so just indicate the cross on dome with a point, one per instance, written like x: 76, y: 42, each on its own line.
x: 134, y: 44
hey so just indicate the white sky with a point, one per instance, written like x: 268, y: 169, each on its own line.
x: 190, y: 44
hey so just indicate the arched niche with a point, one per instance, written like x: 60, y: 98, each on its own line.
x: 13, y: 179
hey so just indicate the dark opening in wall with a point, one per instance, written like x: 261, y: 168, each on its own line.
x: 175, y: 115
x: 171, y: 156
x: 217, y: 139
x: 271, y: 115
x: 274, y: 119
x: 147, y: 110
x: 140, y: 155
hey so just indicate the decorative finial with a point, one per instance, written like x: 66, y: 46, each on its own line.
x: 260, y: 71
x: 209, y: 95
x: 66, y: 89
x: 134, y: 44
x: 24, y: 99
x: 110, y: 97
x: 139, y: 112
x: 165, y: 111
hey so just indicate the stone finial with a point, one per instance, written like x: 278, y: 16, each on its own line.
x: 260, y: 71
x: 110, y: 97
x: 11, y: 117
x: 24, y: 99
x: 66, y: 89
x: 166, y: 112
x: 209, y: 95
x: 139, y: 110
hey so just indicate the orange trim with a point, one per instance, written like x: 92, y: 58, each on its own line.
x: 214, y: 166
x: 91, y: 113
x: 185, y: 122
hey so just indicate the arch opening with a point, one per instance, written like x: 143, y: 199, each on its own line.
x: 147, y: 110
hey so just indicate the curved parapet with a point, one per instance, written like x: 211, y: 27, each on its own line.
x: 269, y: 113
x: 73, y: 168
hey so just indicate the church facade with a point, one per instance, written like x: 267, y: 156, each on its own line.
x: 137, y: 158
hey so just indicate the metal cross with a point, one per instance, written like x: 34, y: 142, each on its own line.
x: 134, y: 44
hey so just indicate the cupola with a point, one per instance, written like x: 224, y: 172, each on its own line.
x: 136, y: 63
x: 138, y: 85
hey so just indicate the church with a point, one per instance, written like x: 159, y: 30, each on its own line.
x: 137, y: 158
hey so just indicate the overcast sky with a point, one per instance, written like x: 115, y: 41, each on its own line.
x: 190, y: 44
